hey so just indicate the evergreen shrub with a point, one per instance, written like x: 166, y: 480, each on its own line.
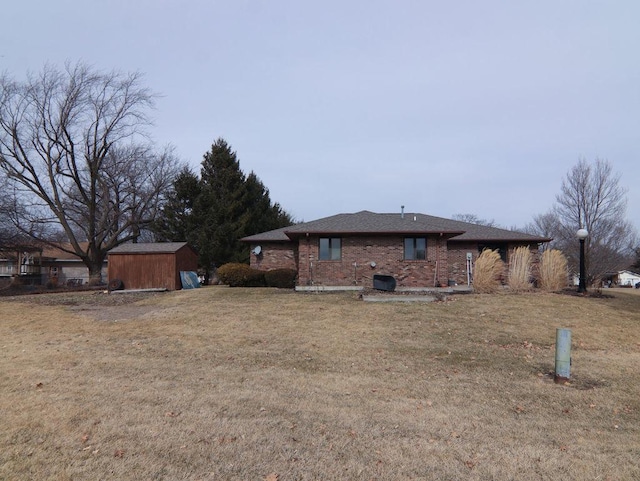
x: 240, y: 275
x: 281, y: 278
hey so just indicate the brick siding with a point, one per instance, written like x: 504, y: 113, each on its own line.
x: 275, y: 255
x: 387, y: 252
x: 458, y: 260
x: 358, y: 253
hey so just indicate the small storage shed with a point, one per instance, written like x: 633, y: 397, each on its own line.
x: 152, y: 265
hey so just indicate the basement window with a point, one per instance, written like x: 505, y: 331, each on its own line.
x: 415, y: 248
x: 330, y: 249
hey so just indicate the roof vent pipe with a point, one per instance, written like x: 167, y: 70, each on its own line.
x: 402, y: 211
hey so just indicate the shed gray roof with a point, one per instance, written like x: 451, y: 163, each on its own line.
x: 148, y: 248
x: 365, y: 222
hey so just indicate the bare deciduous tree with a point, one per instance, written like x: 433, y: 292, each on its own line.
x: 591, y: 197
x: 7, y: 231
x: 73, y: 149
x: 545, y: 225
x: 474, y: 219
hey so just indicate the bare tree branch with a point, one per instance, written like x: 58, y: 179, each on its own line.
x: 73, y: 145
x: 474, y: 219
x: 591, y: 197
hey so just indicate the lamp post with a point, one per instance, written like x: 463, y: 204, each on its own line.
x: 582, y: 235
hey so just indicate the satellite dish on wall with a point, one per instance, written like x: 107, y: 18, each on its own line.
x: 257, y: 250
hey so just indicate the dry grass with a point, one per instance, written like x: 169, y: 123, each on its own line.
x: 254, y: 384
x: 488, y: 271
x: 520, y: 269
x: 554, y: 274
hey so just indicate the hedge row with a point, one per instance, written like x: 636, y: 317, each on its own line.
x: 242, y: 275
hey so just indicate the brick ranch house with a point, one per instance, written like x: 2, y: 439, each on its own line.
x: 347, y: 250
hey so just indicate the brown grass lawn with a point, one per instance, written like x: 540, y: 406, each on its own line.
x: 260, y: 384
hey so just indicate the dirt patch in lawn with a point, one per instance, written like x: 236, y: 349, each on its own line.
x: 96, y: 304
x: 113, y: 312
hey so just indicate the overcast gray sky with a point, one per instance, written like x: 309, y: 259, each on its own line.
x: 445, y: 107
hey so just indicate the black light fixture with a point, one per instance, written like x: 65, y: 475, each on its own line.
x: 582, y: 234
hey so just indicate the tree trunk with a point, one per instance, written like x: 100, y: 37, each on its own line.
x: 95, y: 273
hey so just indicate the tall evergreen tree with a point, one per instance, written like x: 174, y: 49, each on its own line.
x: 220, y: 206
x: 177, y: 221
x: 260, y: 213
x: 214, y: 212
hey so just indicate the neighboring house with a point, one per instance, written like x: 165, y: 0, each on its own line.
x: 628, y: 278
x: 63, y: 268
x: 622, y: 279
x: 153, y: 265
x: 349, y: 249
x: 45, y: 264
x: 21, y: 261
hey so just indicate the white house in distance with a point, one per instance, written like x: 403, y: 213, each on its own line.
x: 627, y: 278
x: 618, y: 279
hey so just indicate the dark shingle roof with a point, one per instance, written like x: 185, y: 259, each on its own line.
x: 365, y: 222
x: 148, y: 248
x: 60, y: 252
x: 277, y: 235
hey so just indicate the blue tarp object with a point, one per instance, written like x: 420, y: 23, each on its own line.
x: 189, y: 279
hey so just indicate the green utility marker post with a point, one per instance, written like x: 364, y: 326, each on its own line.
x: 563, y: 355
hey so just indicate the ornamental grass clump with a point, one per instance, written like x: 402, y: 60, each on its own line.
x: 520, y: 269
x: 488, y: 271
x: 554, y: 275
